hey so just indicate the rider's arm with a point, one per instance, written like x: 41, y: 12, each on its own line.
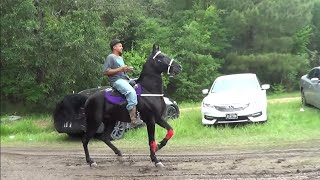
x: 111, y: 72
x: 111, y: 68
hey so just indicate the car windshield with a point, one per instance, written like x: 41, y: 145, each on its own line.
x: 236, y: 83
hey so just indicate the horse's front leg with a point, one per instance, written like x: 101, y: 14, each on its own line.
x: 161, y: 122
x: 153, y: 144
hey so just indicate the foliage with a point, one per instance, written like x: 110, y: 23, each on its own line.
x: 276, y: 69
x: 278, y: 88
x: 45, y: 56
x: 51, y: 48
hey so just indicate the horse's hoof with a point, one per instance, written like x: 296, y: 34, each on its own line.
x: 94, y: 164
x: 120, y: 159
x: 159, y: 165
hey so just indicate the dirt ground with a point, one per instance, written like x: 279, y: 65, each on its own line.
x: 298, y: 161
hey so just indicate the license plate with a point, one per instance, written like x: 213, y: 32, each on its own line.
x: 231, y: 116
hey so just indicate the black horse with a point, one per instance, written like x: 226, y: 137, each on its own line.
x: 100, y: 112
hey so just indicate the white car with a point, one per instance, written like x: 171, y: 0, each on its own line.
x: 235, y: 98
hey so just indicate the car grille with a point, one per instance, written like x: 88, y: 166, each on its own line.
x: 224, y: 119
x: 231, y: 108
x: 240, y: 118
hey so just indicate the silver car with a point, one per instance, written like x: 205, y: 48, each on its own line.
x: 310, y: 88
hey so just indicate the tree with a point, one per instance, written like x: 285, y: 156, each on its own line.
x: 47, y: 54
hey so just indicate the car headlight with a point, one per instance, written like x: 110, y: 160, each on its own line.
x: 207, y: 105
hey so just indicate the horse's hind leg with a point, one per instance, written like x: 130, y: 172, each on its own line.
x: 161, y: 122
x: 105, y: 137
x: 85, y: 140
x: 94, y: 116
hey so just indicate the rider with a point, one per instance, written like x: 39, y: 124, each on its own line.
x: 116, y: 70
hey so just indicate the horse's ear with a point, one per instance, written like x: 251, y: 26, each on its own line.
x: 154, y: 48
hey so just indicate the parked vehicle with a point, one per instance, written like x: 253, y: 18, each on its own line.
x: 233, y: 99
x: 76, y: 125
x: 310, y: 88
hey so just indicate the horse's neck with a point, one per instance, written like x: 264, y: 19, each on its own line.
x: 151, y: 82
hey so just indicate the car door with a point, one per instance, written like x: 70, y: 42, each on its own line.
x: 315, y: 91
x: 308, y: 87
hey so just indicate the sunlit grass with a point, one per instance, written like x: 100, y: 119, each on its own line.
x: 283, y: 95
x: 285, y: 124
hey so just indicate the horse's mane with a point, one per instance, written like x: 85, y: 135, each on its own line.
x: 144, y: 71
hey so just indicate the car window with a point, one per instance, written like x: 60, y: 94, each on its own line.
x: 311, y: 74
x: 317, y: 74
x: 235, y: 84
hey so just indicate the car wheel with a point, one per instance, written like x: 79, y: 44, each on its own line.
x: 171, y: 113
x: 118, y: 131
x: 303, y: 99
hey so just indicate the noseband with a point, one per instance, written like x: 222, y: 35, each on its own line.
x: 169, y: 66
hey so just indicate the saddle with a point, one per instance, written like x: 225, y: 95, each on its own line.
x: 115, y: 97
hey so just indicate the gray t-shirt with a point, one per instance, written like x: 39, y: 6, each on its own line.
x: 113, y: 62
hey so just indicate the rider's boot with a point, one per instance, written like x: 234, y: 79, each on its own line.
x: 133, y: 115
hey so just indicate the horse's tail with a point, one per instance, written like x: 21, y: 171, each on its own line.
x: 69, y: 114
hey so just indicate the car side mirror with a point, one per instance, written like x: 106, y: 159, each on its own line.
x: 205, y: 91
x: 315, y: 80
x: 265, y: 86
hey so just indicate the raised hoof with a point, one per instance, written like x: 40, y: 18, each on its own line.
x: 120, y: 159
x: 159, y: 165
x: 94, y: 164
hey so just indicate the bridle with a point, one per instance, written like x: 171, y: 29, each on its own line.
x: 169, y: 66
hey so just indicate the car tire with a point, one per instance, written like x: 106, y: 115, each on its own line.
x: 118, y: 131
x: 171, y: 113
x: 303, y: 99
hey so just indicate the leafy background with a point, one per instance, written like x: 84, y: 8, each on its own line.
x: 52, y: 48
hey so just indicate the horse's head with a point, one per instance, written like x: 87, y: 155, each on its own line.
x: 163, y: 63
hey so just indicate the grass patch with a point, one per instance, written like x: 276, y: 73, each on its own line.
x: 30, y: 128
x: 283, y: 95
x: 286, y: 124
x: 183, y: 105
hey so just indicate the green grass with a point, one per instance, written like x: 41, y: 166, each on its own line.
x: 283, y: 95
x: 286, y: 124
x: 31, y: 128
x: 189, y: 104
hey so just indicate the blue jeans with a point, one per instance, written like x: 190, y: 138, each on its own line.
x: 126, y: 89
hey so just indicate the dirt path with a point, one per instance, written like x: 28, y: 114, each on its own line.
x: 61, y: 163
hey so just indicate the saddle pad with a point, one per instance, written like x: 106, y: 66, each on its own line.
x: 119, y: 100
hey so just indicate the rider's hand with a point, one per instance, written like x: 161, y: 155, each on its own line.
x: 126, y: 68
